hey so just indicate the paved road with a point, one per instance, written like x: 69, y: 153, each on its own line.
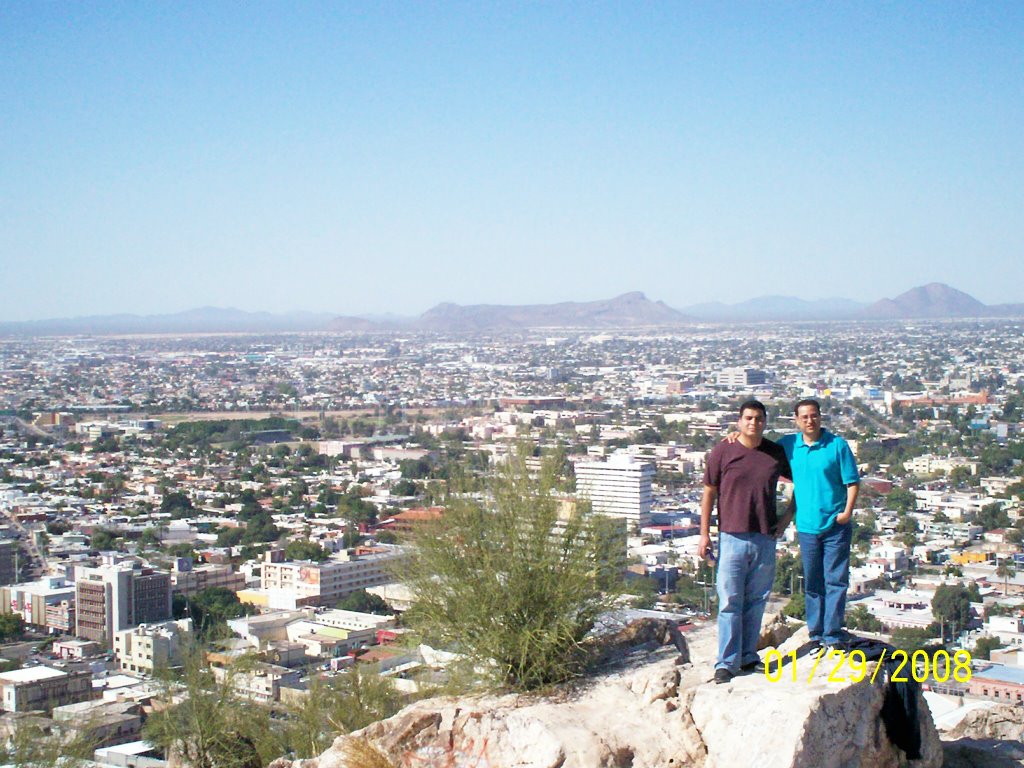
x: 30, y: 429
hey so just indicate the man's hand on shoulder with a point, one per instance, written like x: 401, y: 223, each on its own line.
x: 732, y: 437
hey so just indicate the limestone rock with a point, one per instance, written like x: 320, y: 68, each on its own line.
x: 777, y: 630
x: 988, y: 737
x: 653, y: 713
x: 1000, y: 722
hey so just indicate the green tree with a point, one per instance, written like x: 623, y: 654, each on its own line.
x: 912, y: 639
x: 30, y: 744
x: 335, y: 706
x: 150, y: 538
x: 993, y: 516
x: 789, y: 572
x: 182, y: 549
x: 210, y: 610
x: 177, y: 503
x: 859, y: 617
x: 960, y: 476
x: 796, y: 607
x: 12, y: 627
x: 206, y: 723
x: 364, y: 602
x: 514, y: 588
x: 260, y: 528
x: 1005, y: 570
x: 952, y: 605
x: 901, y: 500
x: 229, y: 537
x: 300, y: 549
x: 863, y: 531
x: 103, y: 540
x: 984, y: 647
x: 405, y: 487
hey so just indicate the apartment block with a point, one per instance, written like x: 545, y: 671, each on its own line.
x: 619, y: 487
x: 303, y: 583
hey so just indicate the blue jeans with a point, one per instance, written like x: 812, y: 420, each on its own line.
x: 746, y: 570
x: 826, y: 559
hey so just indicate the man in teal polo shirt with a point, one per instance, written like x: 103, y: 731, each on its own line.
x: 825, y: 484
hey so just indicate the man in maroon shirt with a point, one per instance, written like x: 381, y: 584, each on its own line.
x: 742, y: 477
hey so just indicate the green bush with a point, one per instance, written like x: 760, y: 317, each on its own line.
x: 503, y: 580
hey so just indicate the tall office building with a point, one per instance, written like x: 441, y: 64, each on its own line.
x: 619, y: 487
x: 115, y: 597
x: 8, y: 561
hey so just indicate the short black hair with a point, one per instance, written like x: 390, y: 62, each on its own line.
x: 806, y: 401
x: 756, y: 405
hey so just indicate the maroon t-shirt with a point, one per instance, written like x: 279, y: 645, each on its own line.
x: 746, y: 479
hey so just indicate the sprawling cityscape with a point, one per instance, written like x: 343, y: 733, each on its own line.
x: 256, y: 494
x: 372, y: 384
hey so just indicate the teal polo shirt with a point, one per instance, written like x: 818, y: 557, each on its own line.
x: 821, y: 472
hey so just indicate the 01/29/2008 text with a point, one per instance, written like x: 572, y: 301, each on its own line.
x: 852, y: 667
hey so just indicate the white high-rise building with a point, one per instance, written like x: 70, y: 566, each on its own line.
x: 740, y: 378
x: 619, y: 487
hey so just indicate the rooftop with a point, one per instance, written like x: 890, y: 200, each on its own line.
x: 31, y: 674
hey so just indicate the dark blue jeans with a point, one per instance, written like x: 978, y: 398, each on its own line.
x: 826, y: 559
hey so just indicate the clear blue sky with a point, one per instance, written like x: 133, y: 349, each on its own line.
x: 383, y: 157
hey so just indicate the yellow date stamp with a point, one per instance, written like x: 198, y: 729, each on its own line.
x: 852, y: 667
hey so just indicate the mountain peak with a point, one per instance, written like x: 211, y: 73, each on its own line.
x: 630, y: 298
x: 930, y: 300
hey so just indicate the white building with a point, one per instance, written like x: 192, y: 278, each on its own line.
x: 740, y: 378
x: 1009, y: 630
x: 290, y: 585
x: 930, y: 464
x: 619, y: 487
x: 148, y: 647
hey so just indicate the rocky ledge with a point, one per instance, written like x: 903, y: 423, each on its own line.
x: 653, y: 709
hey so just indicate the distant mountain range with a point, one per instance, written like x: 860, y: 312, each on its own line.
x: 630, y: 310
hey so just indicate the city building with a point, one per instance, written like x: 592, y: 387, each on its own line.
x: 42, y: 688
x: 262, y: 684
x: 188, y: 579
x: 619, y: 487
x: 740, y: 378
x: 999, y: 683
x: 46, y: 604
x: 332, y: 632
x: 149, y: 647
x: 115, y: 597
x: 293, y: 584
x: 8, y: 561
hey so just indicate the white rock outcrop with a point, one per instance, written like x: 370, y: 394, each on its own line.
x: 653, y: 713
